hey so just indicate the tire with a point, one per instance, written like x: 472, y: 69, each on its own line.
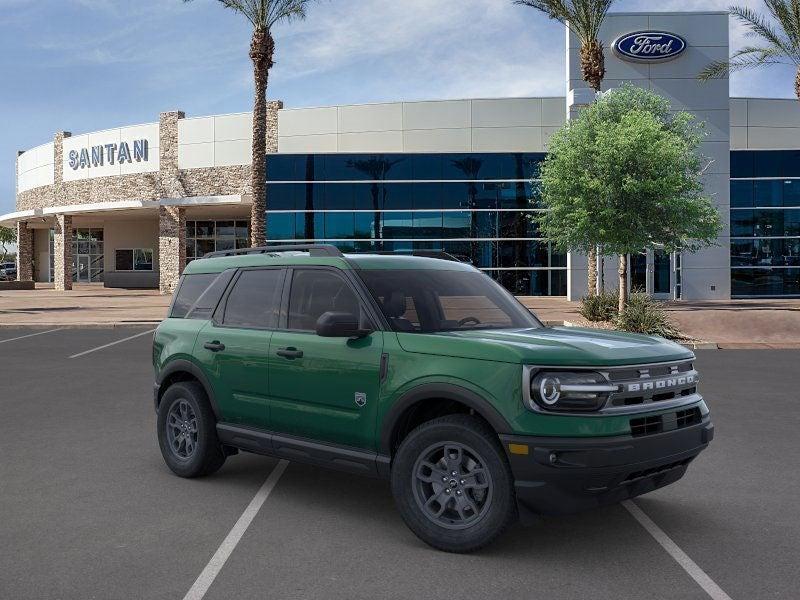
x: 475, y: 506
x: 199, y: 453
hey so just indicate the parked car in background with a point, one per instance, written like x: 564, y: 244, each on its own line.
x: 8, y: 271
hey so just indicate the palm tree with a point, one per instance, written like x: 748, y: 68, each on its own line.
x: 376, y: 168
x: 779, y: 41
x: 584, y: 19
x: 262, y: 15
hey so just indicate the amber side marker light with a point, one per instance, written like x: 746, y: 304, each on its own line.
x: 518, y: 448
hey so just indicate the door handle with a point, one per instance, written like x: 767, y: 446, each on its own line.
x: 290, y: 352
x: 214, y: 346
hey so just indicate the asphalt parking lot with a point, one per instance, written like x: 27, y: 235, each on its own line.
x: 88, y: 509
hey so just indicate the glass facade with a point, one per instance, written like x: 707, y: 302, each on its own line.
x: 210, y: 236
x: 765, y: 223
x: 475, y: 206
x: 88, y: 262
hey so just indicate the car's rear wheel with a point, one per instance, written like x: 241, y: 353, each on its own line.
x: 187, y: 431
x: 452, y: 484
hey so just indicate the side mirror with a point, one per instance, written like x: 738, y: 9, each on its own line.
x: 338, y: 324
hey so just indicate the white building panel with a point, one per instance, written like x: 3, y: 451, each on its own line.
x: 767, y: 138
x: 444, y: 114
x: 738, y: 108
x: 507, y: 112
x: 196, y: 131
x: 195, y: 156
x: 302, y: 144
x: 690, y: 94
x: 698, y: 29
x: 507, y: 139
x: 554, y: 111
x: 371, y: 141
x: 773, y: 113
x: 717, y: 126
x: 437, y: 140
x: 35, y: 167
x: 308, y: 121
x: 739, y: 138
x: 237, y: 126
x: 233, y: 152
x: 370, y: 117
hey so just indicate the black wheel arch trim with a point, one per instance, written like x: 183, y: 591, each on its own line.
x: 186, y: 366
x: 445, y: 391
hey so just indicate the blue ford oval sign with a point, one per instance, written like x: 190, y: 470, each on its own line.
x: 649, y: 46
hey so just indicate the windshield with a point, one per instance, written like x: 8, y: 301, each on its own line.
x: 428, y: 301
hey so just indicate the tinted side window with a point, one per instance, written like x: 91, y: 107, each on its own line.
x: 316, y: 291
x: 204, y: 307
x: 254, y: 300
x: 189, y: 291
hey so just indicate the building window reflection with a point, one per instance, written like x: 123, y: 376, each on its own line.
x: 765, y: 223
x: 477, y: 206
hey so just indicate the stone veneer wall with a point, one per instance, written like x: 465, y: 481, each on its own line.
x: 62, y: 250
x: 171, y: 246
x: 24, y: 252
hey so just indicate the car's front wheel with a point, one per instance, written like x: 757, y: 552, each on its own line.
x: 452, y: 484
x: 187, y: 432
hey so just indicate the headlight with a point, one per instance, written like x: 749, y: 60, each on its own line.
x: 570, y: 391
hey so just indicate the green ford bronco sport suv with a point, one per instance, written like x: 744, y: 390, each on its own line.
x: 423, y: 371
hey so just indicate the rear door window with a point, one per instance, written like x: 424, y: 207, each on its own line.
x: 254, y: 301
x: 192, y: 286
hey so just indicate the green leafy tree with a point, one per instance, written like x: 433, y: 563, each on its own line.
x: 7, y: 236
x: 778, y: 40
x: 626, y: 175
x: 584, y: 19
x: 263, y: 15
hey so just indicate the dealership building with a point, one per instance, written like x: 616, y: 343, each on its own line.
x: 130, y: 206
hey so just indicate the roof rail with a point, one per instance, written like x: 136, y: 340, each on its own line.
x: 312, y: 249
x: 441, y: 254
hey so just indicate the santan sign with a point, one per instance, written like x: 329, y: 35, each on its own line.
x: 649, y: 46
x: 97, y: 156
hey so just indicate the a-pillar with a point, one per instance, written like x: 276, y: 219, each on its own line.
x: 24, y: 252
x: 62, y: 253
x: 171, y: 246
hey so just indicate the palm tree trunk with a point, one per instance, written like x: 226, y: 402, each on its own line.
x: 593, y: 67
x: 623, y: 282
x: 593, y: 70
x: 592, y: 276
x: 262, y: 48
x: 797, y: 84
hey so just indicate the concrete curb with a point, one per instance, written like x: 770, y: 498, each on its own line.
x: 95, y: 325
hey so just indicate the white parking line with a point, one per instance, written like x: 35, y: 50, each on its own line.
x: 111, y: 344
x: 22, y: 337
x: 688, y: 565
x: 214, y: 566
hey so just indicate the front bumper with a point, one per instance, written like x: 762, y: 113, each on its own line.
x: 566, y: 475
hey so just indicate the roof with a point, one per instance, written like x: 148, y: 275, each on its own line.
x: 347, y: 261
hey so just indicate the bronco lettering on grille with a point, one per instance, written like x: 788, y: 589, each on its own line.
x: 661, y: 384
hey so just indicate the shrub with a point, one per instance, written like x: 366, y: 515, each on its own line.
x: 601, y: 307
x: 645, y: 315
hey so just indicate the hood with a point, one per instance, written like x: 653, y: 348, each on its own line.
x: 567, y: 346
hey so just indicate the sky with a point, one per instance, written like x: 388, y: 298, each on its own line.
x: 86, y: 65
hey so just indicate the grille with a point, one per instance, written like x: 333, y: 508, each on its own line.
x: 666, y: 422
x: 647, y: 384
x: 688, y: 417
x: 646, y: 426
